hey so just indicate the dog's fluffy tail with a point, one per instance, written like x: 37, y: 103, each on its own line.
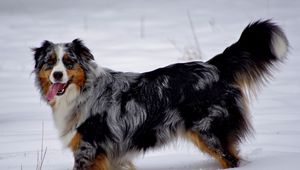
x: 249, y: 62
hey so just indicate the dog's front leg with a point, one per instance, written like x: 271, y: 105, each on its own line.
x: 86, y: 157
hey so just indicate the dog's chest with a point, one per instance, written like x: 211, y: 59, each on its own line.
x: 63, y: 114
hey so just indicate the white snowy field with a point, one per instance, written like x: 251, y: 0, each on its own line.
x: 141, y: 35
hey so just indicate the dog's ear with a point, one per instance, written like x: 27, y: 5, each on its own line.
x: 81, y: 50
x: 40, y: 52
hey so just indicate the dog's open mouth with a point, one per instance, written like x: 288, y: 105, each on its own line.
x: 56, y: 89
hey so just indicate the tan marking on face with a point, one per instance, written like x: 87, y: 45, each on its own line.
x: 77, y: 76
x: 43, y: 76
x: 76, y: 73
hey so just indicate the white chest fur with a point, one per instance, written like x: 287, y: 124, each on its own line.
x: 62, y: 113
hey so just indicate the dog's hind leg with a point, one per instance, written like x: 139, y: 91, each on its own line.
x: 210, y: 144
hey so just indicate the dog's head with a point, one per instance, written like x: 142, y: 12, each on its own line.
x: 59, y: 66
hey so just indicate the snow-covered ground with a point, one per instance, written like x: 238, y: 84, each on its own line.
x: 140, y: 35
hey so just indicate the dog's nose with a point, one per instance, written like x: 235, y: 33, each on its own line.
x: 58, y: 75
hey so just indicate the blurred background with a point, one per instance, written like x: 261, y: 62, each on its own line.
x: 141, y: 35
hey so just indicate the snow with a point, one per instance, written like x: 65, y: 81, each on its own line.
x: 141, y: 35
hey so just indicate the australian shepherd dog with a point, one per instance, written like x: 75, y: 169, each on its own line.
x: 105, y: 117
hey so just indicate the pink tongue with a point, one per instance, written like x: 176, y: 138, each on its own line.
x: 54, y: 88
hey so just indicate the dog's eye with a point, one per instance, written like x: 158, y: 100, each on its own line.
x: 69, y: 64
x: 50, y: 63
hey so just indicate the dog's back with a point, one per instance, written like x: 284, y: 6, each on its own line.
x: 208, y: 99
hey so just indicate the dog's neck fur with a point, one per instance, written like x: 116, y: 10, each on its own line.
x: 66, y: 113
x: 75, y: 106
x: 63, y: 110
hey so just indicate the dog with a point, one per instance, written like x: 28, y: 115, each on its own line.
x: 106, y: 117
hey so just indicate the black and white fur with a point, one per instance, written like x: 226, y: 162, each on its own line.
x: 122, y: 114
